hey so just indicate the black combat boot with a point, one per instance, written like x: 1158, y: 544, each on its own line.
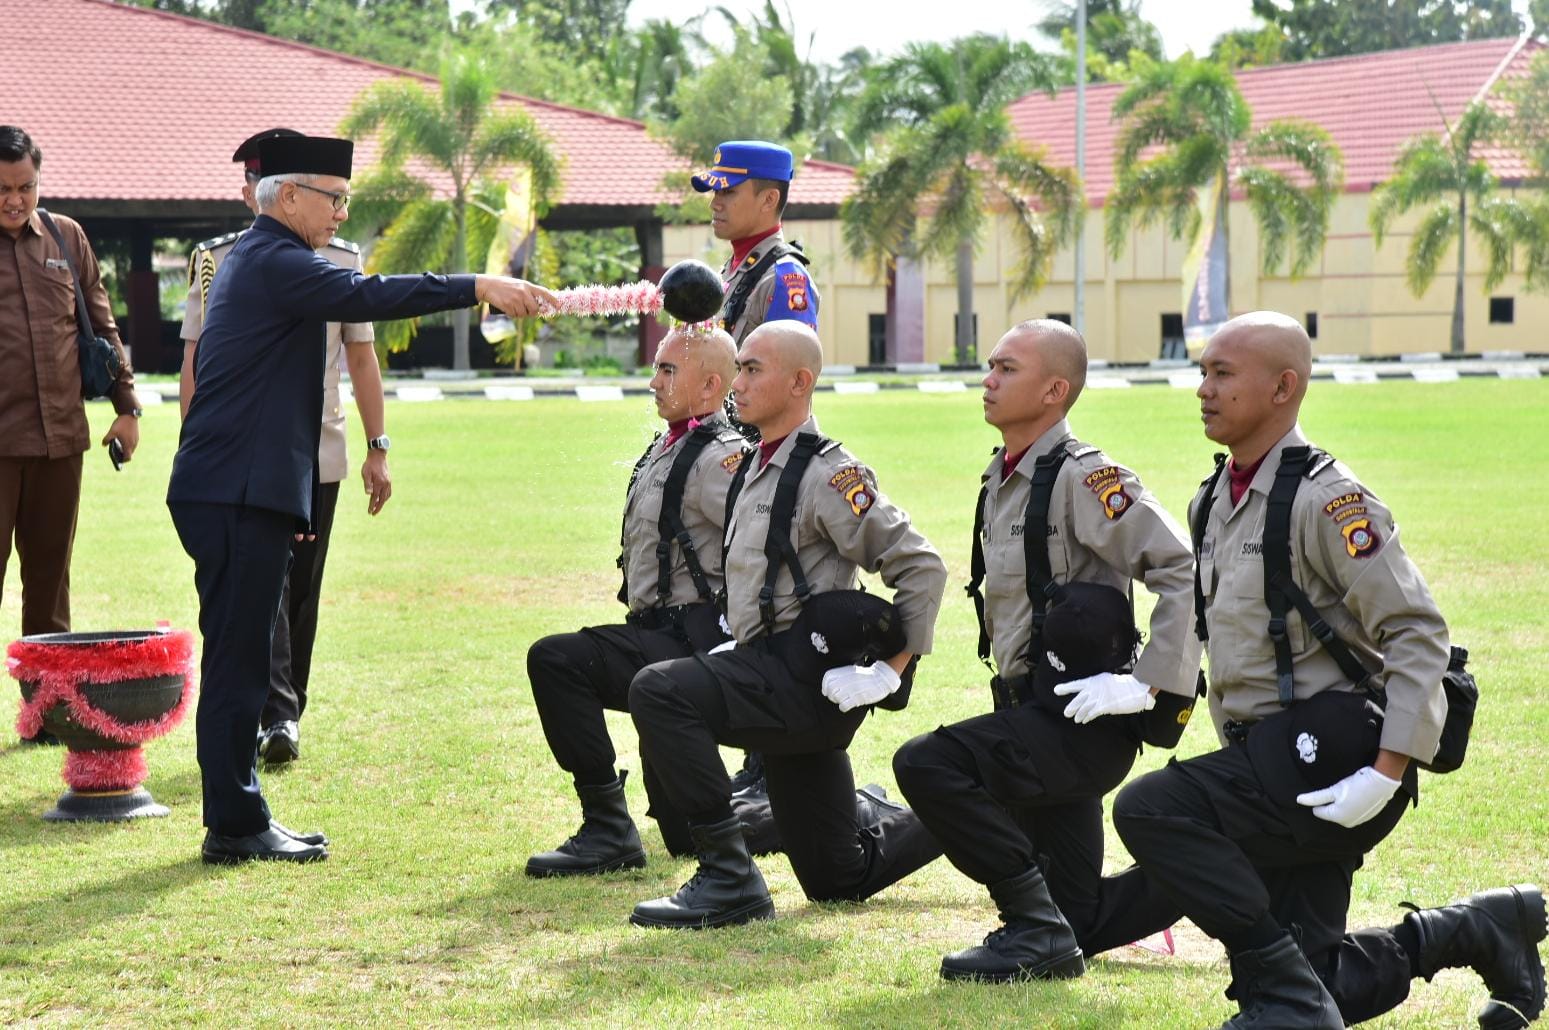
x: 763, y: 836
x: 606, y: 841
x: 1034, y: 944
x: 872, y: 804
x: 1276, y: 989
x: 1497, y: 933
x: 727, y: 887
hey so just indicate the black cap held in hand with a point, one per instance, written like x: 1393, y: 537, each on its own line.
x: 839, y: 627
x: 692, y: 291
x: 1091, y: 629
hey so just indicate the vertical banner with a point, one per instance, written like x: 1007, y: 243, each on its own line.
x: 1205, y: 274
x: 511, y: 248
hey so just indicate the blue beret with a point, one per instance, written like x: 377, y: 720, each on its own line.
x: 741, y: 159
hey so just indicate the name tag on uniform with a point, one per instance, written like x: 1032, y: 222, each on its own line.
x: 55, y: 263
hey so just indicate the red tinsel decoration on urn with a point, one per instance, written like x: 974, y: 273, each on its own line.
x: 103, y: 695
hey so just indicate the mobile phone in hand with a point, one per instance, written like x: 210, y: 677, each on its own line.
x: 116, y: 454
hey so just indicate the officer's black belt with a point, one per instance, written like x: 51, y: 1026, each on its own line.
x: 668, y: 618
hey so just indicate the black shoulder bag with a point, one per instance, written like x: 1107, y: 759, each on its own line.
x: 98, y: 357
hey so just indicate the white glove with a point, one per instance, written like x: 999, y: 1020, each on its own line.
x: 851, y: 686
x: 1352, y: 800
x: 1107, y: 693
x: 718, y: 648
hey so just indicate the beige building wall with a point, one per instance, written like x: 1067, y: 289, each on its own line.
x: 1357, y: 291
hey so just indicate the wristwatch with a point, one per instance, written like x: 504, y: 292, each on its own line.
x: 379, y: 443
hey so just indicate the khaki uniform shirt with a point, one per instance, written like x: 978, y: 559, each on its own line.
x: 1346, y: 557
x: 41, y: 412
x: 704, y: 512
x: 332, y: 456
x: 842, y: 523
x: 797, y: 295
x: 1104, y: 527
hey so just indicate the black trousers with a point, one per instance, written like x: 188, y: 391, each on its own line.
x: 295, y: 631
x: 1215, y: 842
x: 747, y: 698
x: 1025, y: 785
x: 574, y: 677
x: 239, y: 554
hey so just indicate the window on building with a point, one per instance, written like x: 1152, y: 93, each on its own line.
x: 1503, y: 310
x: 1060, y: 316
x: 1172, y: 337
x: 876, y: 339
x: 1312, y: 324
x: 974, y: 328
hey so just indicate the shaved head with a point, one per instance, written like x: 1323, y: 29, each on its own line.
x: 1275, y: 340
x: 776, y: 370
x: 795, y: 345
x: 712, y: 349
x: 694, y: 370
x: 1254, y: 375
x: 1060, y: 348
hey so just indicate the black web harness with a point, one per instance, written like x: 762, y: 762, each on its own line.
x: 1041, y: 588
x: 670, y: 526
x: 670, y: 523
x: 1281, y: 593
x: 779, y: 549
x: 737, y: 299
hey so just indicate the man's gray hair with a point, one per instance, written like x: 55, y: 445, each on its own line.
x: 267, y: 193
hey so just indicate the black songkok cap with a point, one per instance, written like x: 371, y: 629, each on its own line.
x: 305, y: 155
x: 247, y: 153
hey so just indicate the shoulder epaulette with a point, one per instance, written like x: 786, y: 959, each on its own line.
x: 342, y: 244
x: 1321, y: 461
x: 1077, y: 449
x: 830, y: 445
x: 217, y: 241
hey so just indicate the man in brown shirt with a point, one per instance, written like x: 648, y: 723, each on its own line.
x: 43, y: 430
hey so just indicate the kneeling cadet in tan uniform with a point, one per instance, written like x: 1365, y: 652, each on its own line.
x: 1258, y: 842
x: 819, y: 531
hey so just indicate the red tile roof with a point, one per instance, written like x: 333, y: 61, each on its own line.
x: 135, y: 104
x: 1369, y: 103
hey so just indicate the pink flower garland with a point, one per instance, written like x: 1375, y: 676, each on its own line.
x: 641, y: 298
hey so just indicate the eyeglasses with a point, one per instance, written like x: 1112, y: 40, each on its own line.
x: 340, y: 200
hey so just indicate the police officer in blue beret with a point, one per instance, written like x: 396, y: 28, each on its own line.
x: 766, y: 277
x: 766, y: 280
x: 245, y: 477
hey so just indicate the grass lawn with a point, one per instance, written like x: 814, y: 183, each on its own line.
x: 424, y: 761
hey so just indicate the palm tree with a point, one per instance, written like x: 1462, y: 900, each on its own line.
x: 1445, y: 176
x: 1187, y: 129
x: 948, y: 158
x: 458, y: 134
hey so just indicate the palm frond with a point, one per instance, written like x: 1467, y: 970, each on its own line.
x: 378, y: 194
x: 407, y: 118
x: 1293, y: 219
x: 1022, y: 177
x: 419, y: 238
x: 957, y: 216
x: 1437, y: 232
x: 512, y: 137
x: 1500, y: 223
